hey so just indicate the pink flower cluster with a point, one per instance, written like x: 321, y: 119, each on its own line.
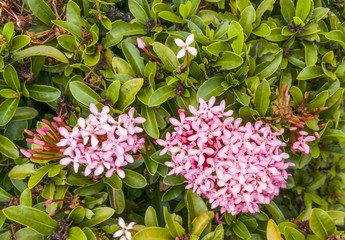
x: 101, y: 142
x: 235, y: 166
x: 302, y: 142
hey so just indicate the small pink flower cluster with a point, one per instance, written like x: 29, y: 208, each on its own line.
x: 100, y: 142
x: 236, y: 167
x: 302, y: 140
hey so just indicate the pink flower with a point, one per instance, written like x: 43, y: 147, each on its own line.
x: 124, y: 233
x: 141, y: 43
x: 301, y: 143
x: 236, y: 167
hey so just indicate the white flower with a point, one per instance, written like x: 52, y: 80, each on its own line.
x: 185, y: 46
x: 124, y: 231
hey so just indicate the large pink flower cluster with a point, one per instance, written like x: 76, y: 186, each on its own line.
x: 235, y: 166
x: 102, y: 143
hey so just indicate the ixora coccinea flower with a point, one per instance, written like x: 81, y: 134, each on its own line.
x: 235, y: 166
x: 99, y: 142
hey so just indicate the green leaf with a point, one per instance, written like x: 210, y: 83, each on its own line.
x: 26, y: 198
x: 128, y: 92
x: 42, y: 11
x: 242, y: 4
x: 8, y: 148
x: 24, y: 113
x: 132, y: 55
x: 293, y: 234
x: 171, y: 17
x: 41, y: 50
x: 21, y: 171
x: 303, y: 8
x: 266, y: 69
x: 32, y: 218
x: 287, y: 9
x: 151, y: 217
x: 77, y: 215
x: 113, y: 91
x: 83, y: 93
x: 75, y: 30
x: 236, y: 32
x: 173, y: 180
x: 153, y: 233
x: 175, y: 229
x: 173, y: 193
x: 44, y: 93
x: 38, y: 175
x: 310, y: 72
x: 319, y: 101
x: 75, y: 233
x: 195, y: 206
x: 275, y: 211
x: 137, y: 11
x: 310, y: 53
x: 167, y: 56
x: 263, y: 7
x: 67, y: 42
x: 90, y: 189
x: 120, y: 66
x: 321, y: 223
x: 11, y: 77
x: 161, y: 95
x: 27, y: 233
x: 7, y: 110
x: 5, y: 196
x: 100, y: 215
x: 247, y: 18
x: 150, y: 125
x: 241, y: 230
x: 201, y: 222
x: 337, y: 36
x: 114, y: 181
x: 212, y: 87
x: 229, y: 60
x: 120, y: 28
x: 262, y: 97
x: 134, y: 179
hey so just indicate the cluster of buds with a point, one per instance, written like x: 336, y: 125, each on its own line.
x: 235, y: 166
x: 99, y: 142
x: 295, y: 118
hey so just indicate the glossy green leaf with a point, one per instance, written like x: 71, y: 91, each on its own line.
x: 32, y: 218
x: 121, y: 28
x: 161, y: 95
x: 303, y: 8
x: 321, y: 223
x: 229, y: 60
x: 11, y: 77
x: 262, y: 97
x: 101, y: 214
x: 128, y: 92
x: 21, y: 171
x: 175, y: 229
x: 38, y: 175
x: 201, y: 222
x: 153, y: 233
x: 41, y: 50
x: 8, y: 148
x: 75, y: 233
x: 133, y: 57
x: 266, y: 69
x: 42, y: 11
x: 241, y: 230
x: 272, y: 232
x: 167, y: 56
x: 151, y: 217
x: 24, y: 113
x: 137, y: 11
x: 113, y: 91
x: 114, y: 181
x: 287, y: 9
x: 236, y: 33
x: 150, y: 125
x: 310, y: 72
x: 26, y: 198
x: 44, y: 93
x: 7, y: 110
x: 77, y: 215
x: 212, y: 87
x: 83, y: 93
x: 134, y: 179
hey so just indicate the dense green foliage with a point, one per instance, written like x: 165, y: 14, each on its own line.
x: 59, y: 56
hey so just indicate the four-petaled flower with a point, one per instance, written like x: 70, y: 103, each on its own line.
x: 186, y: 46
x: 125, y: 231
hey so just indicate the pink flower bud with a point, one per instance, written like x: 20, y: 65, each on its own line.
x: 48, y: 202
x: 141, y: 43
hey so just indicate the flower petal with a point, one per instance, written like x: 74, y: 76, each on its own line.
x: 192, y: 51
x: 181, y: 53
x: 190, y: 39
x: 179, y: 42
